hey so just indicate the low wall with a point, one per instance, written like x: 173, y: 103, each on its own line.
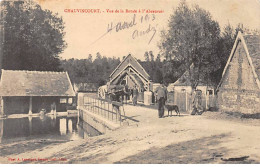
x: 96, y: 121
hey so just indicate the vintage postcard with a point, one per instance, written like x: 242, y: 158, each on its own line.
x: 130, y: 82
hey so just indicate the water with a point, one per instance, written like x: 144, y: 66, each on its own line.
x: 47, y: 127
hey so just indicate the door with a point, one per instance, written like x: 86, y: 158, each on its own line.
x: 181, y: 100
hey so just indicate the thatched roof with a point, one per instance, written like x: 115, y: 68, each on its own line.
x: 35, y: 83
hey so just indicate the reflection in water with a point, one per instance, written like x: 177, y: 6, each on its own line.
x: 47, y: 127
x: 70, y: 125
x: 63, y: 126
x: 85, y: 130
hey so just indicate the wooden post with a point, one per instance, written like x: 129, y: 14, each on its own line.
x: 98, y: 107
x: 30, y: 124
x: 108, y: 111
x: 187, y: 107
x: 30, y: 106
x: 207, y: 99
x: 1, y: 129
x: 2, y: 107
x: 112, y: 112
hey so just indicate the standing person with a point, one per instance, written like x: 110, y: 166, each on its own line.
x: 135, y: 94
x: 53, y: 108
x: 161, y: 94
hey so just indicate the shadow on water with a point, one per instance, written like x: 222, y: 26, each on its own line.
x: 198, y: 151
x: 18, y: 135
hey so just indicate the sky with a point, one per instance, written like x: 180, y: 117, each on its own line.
x: 89, y: 33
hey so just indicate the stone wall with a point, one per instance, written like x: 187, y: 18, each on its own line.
x: 239, y: 91
x: 246, y: 102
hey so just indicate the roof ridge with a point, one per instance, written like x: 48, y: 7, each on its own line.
x: 251, y: 34
x: 29, y: 71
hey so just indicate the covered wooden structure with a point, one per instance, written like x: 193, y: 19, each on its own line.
x: 130, y: 73
x: 31, y: 91
x: 239, y: 88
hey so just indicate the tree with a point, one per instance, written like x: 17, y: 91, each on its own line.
x: 151, y: 56
x: 90, y: 58
x: 158, y: 58
x: 146, y: 56
x: 33, y: 37
x: 225, y: 45
x: 192, y: 39
x: 88, y: 71
x: 157, y: 75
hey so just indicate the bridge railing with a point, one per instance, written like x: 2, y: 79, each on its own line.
x: 110, y: 110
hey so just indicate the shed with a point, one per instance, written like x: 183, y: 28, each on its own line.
x: 180, y: 93
x: 31, y: 91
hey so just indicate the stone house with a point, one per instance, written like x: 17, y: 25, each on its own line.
x: 239, y: 88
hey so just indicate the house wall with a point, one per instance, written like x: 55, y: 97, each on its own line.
x: 239, y: 91
x: 16, y: 105
x: 20, y: 105
x: 182, y: 96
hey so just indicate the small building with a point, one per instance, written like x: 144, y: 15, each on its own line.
x: 239, y: 88
x: 180, y: 93
x: 31, y: 91
x: 129, y: 72
x: 85, y: 87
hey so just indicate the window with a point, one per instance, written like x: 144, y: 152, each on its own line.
x: 210, y: 92
x: 63, y: 100
x: 70, y: 100
x: 183, y: 90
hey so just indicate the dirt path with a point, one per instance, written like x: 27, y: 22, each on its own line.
x: 148, y: 139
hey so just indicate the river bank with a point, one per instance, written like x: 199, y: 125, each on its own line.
x: 148, y: 139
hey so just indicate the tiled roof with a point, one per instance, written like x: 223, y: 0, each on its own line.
x: 184, y: 80
x: 35, y: 83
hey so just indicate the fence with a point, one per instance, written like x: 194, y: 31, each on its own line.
x: 184, y: 100
x: 110, y: 110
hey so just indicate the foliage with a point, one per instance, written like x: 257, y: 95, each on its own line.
x: 153, y: 68
x: 146, y: 56
x: 224, y: 47
x: 192, y: 39
x: 33, y: 37
x: 88, y: 71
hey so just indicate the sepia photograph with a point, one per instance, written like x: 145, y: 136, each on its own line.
x: 130, y: 82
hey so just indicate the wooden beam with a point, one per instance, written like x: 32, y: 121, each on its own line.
x: 30, y: 106
x: 2, y: 107
x: 30, y: 124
